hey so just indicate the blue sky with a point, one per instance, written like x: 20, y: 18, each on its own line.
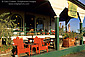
x: 83, y: 1
x: 74, y: 23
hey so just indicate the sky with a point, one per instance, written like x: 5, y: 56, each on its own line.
x: 74, y: 23
x: 83, y: 1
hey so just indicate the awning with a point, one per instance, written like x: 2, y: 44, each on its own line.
x: 61, y: 8
x: 45, y: 7
x: 39, y: 6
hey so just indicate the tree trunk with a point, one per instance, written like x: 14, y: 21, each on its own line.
x: 0, y: 41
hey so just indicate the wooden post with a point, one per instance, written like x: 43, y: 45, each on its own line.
x: 66, y: 26
x: 57, y: 32
x: 35, y: 26
x: 50, y: 25
x: 25, y: 30
x: 69, y: 27
x: 81, y: 32
x: 0, y: 41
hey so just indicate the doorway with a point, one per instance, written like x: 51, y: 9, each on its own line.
x: 29, y: 20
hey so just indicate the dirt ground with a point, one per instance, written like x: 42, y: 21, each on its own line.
x: 78, y: 54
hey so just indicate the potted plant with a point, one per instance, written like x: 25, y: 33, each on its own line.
x: 65, y: 35
x: 69, y: 39
x: 65, y: 39
x: 6, y: 49
x: 6, y: 31
x: 78, y: 38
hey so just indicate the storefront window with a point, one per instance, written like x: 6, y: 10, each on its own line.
x: 40, y: 24
x: 19, y: 20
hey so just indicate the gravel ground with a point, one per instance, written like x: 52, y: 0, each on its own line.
x: 78, y: 54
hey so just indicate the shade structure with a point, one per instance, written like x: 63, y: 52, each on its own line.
x: 47, y: 7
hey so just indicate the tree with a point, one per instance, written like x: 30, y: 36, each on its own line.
x: 6, y: 26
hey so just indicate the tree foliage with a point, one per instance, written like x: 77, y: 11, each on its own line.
x: 6, y: 26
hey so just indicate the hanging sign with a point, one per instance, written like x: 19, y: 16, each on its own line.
x: 72, y: 10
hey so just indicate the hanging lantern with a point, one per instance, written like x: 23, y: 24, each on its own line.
x: 18, y: 23
x: 16, y: 16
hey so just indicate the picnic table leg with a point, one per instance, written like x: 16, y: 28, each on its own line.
x: 36, y: 49
x: 31, y: 50
x: 16, y: 53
